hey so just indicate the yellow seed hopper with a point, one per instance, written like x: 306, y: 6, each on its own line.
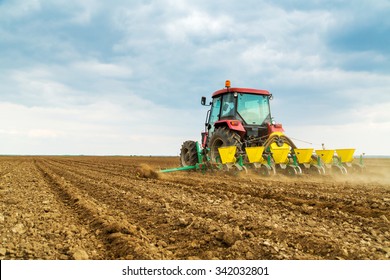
x: 229, y: 160
x: 255, y: 157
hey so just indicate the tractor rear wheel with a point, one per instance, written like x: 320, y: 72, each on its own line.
x: 223, y: 137
x: 188, y: 153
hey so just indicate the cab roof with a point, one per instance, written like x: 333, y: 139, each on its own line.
x: 242, y: 90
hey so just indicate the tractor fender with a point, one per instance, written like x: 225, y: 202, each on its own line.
x: 232, y: 125
x: 274, y: 128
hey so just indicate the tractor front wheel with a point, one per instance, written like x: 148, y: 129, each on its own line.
x: 188, y: 153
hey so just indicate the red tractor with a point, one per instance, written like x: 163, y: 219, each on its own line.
x: 238, y: 117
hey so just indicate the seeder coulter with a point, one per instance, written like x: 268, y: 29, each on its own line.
x: 240, y: 134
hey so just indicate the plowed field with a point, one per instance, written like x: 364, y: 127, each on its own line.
x: 106, y: 208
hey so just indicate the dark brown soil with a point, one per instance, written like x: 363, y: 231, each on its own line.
x: 121, y: 208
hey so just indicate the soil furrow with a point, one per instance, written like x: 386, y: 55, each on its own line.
x: 122, y: 239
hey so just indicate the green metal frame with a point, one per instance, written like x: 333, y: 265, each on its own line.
x: 198, y: 166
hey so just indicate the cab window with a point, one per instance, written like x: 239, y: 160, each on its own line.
x: 228, y: 105
x: 215, y: 109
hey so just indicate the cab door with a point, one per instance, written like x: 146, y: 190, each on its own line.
x: 214, y: 115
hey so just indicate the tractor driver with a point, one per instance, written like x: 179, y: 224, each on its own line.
x: 227, y: 109
x: 227, y: 106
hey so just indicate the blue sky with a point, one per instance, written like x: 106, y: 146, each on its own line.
x: 126, y: 77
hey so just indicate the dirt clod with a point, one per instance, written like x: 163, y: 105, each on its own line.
x: 80, y: 254
x: 145, y: 171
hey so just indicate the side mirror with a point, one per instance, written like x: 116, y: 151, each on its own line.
x: 203, y: 101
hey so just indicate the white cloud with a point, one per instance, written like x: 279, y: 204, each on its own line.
x: 103, y: 69
x: 142, y: 128
x: 18, y: 8
x: 85, y: 11
x: 366, y: 136
x: 39, y: 85
x: 44, y: 133
x: 197, y: 24
x: 368, y: 115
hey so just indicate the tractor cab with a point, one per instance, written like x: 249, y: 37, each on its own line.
x: 243, y: 111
